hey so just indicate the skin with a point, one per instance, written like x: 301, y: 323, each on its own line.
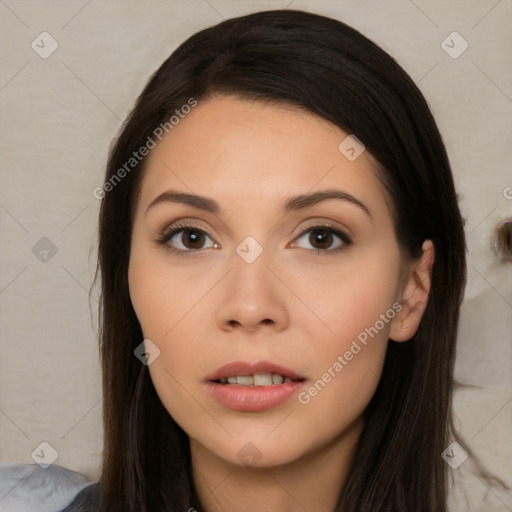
x: 290, y: 306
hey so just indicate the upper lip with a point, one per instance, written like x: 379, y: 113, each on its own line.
x: 251, y: 368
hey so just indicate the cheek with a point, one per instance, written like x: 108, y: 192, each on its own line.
x: 345, y: 368
x: 347, y: 349
x: 164, y: 305
x: 173, y: 374
x: 157, y: 294
x: 351, y: 299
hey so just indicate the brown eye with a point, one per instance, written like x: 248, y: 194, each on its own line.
x: 192, y: 238
x: 186, y: 239
x: 321, y: 239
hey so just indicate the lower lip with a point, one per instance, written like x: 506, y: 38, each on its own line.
x: 253, y: 398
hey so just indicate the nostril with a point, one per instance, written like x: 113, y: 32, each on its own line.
x: 236, y: 323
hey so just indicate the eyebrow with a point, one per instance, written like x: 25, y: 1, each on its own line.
x: 293, y: 203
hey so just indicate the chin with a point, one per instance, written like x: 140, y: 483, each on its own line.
x: 256, y: 451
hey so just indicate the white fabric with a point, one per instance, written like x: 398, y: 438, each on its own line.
x: 30, y: 488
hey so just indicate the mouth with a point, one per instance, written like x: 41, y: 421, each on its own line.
x: 258, y: 373
x: 253, y: 386
x: 259, y: 379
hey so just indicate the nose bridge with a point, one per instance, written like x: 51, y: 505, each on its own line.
x: 250, y: 270
x: 252, y: 294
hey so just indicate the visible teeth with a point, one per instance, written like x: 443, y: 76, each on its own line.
x: 277, y: 379
x: 262, y: 379
x: 259, y: 379
x: 245, y: 380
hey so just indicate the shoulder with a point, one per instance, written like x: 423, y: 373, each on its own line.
x: 85, y: 501
x: 30, y: 488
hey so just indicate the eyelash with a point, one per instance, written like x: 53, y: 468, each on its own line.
x: 168, y: 234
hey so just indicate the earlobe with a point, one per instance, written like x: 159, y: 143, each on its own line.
x: 414, y: 296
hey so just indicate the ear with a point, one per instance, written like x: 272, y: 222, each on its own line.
x: 414, y: 296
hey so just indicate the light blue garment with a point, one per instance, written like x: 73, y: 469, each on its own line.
x: 30, y: 488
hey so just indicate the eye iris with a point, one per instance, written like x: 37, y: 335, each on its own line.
x: 321, y: 236
x: 194, y: 240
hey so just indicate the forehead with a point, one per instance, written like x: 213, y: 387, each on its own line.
x: 234, y: 149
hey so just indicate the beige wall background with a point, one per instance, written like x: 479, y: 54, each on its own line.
x: 59, y: 113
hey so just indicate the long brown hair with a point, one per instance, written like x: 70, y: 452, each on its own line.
x: 330, y: 69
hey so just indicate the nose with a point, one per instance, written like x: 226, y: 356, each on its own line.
x: 252, y: 297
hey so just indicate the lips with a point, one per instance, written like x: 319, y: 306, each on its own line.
x: 252, y: 396
x: 252, y: 368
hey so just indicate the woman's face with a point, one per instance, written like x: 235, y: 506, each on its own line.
x: 246, y: 277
